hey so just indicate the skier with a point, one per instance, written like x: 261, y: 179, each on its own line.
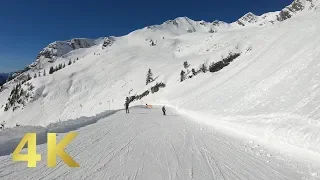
x: 127, y: 105
x: 164, y: 110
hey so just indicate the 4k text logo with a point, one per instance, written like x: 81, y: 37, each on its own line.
x: 53, y: 150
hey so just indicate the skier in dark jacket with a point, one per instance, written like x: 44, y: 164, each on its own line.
x: 127, y: 105
x: 164, y: 110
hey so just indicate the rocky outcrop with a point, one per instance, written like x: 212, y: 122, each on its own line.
x: 60, y: 48
x: 295, y: 7
x: 248, y: 18
x: 108, y: 41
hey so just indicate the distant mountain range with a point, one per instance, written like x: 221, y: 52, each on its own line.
x: 4, y: 77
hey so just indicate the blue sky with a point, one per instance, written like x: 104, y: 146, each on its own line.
x: 28, y: 26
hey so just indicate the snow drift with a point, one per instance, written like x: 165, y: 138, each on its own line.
x: 9, y: 138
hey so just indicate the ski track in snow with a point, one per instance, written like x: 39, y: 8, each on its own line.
x: 146, y: 145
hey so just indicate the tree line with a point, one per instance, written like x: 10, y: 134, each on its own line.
x: 213, y: 67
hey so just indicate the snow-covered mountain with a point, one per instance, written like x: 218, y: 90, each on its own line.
x: 183, y: 25
x: 264, y: 75
x: 298, y: 7
x: 58, y: 49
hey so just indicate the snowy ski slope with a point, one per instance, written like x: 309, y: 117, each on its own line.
x: 147, y: 145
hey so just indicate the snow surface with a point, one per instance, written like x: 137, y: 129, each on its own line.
x: 9, y: 138
x: 147, y: 145
x: 269, y: 95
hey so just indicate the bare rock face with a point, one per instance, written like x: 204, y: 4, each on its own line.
x: 296, y: 7
x: 284, y: 15
x: 247, y: 18
x: 60, y: 48
x: 174, y: 22
x: 108, y: 41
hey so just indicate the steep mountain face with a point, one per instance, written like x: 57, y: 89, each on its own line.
x: 252, y: 20
x: 295, y: 8
x: 58, y: 49
x: 298, y: 6
x: 248, y: 18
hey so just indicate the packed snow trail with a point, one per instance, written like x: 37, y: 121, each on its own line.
x: 147, y: 145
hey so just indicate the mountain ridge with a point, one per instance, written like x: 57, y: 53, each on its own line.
x: 182, y: 25
x: 59, y: 48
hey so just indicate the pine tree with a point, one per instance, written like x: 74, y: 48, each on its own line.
x: 31, y: 87
x: 44, y: 72
x: 64, y: 65
x: 194, y: 71
x: 214, y: 67
x: 185, y: 64
x: 182, y: 76
x: 69, y: 62
x: 51, y: 71
x: 35, y: 75
x: 60, y: 66
x: 203, y: 68
x: 39, y: 74
x: 29, y: 77
x: 149, y: 77
x: 21, y: 92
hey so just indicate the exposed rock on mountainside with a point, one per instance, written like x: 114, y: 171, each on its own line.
x: 60, y: 48
x: 296, y: 7
x: 247, y: 18
x: 108, y: 41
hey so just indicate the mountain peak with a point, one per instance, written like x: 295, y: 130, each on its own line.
x: 179, y: 20
x: 248, y: 18
x: 296, y: 7
x: 60, y: 48
x: 182, y: 18
x: 249, y: 14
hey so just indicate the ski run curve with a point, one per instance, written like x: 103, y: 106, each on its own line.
x: 147, y: 145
